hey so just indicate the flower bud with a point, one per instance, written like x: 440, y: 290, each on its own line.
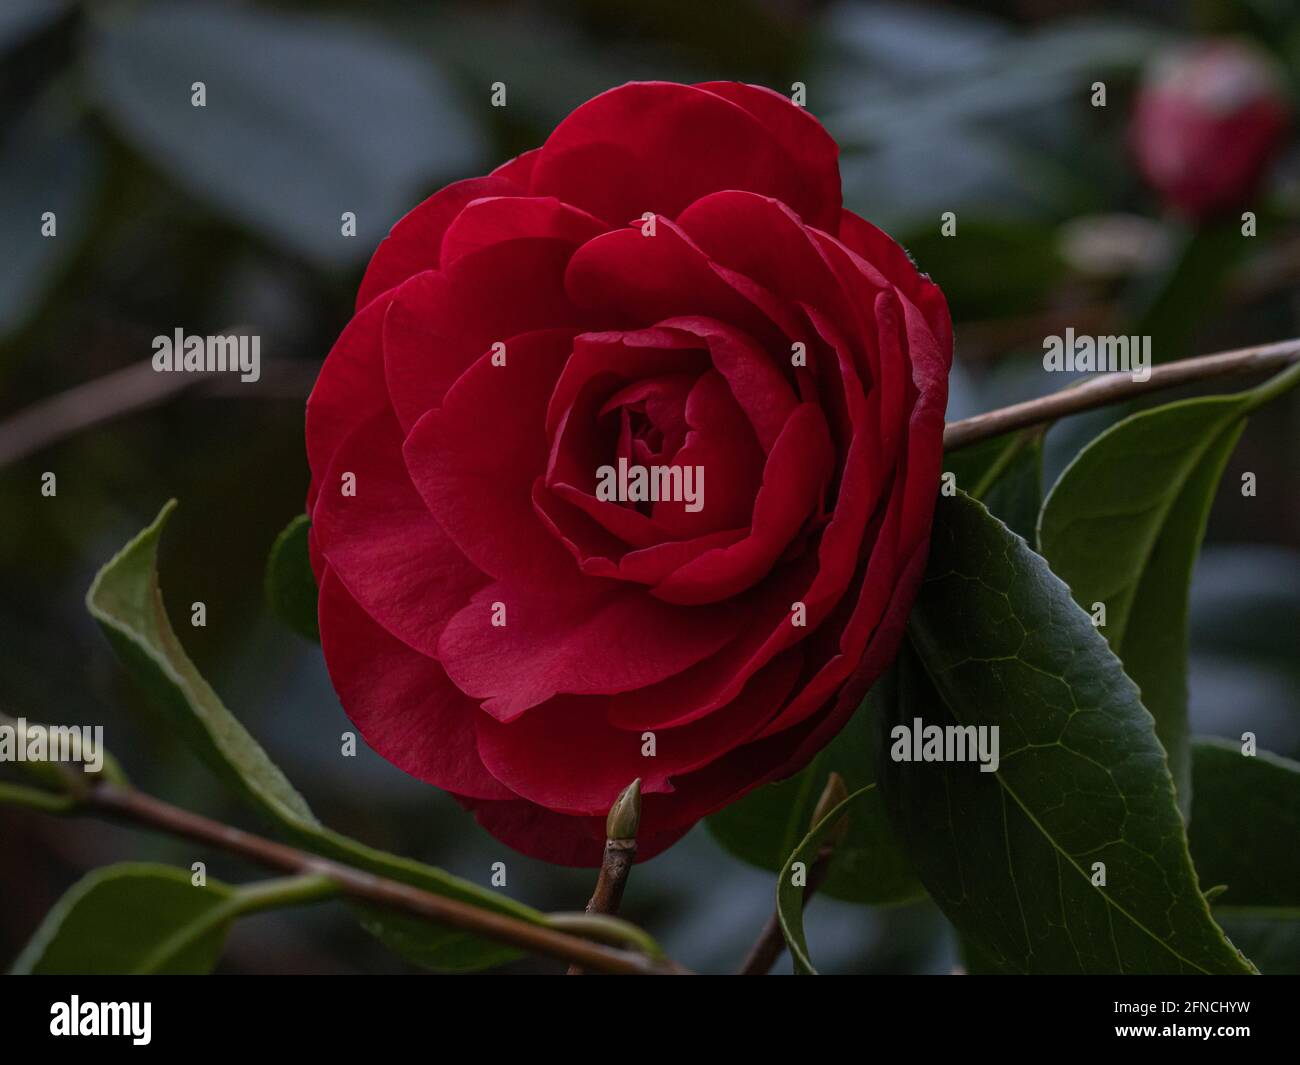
x: 1207, y: 121
x: 625, y: 815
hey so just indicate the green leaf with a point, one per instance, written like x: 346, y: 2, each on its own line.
x: 1005, y: 473
x: 1122, y: 526
x: 1245, y: 823
x: 344, y: 118
x: 1009, y: 855
x: 136, y: 918
x: 291, y: 591
x: 126, y: 601
x: 764, y: 827
x: 974, y: 963
x: 789, y: 894
x: 132, y: 918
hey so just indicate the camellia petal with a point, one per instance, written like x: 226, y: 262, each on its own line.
x: 474, y: 460
x: 401, y: 701
x: 383, y: 545
x: 413, y: 244
x: 658, y: 147
x: 586, y: 638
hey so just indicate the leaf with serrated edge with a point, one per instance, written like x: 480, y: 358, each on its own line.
x: 1122, y: 526
x: 1005, y: 473
x: 1008, y: 855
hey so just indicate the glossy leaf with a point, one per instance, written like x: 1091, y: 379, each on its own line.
x: 1005, y: 473
x: 126, y: 601
x: 789, y: 892
x: 766, y: 825
x: 1011, y: 856
x: 291, y: 591
x: 133, y: 918
x: 1122, y: 527
x: 1245, y: 824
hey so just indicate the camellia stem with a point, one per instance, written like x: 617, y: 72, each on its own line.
x: 771, y: 941
x: 130, y: 804
x: 620, y: 854
x: 137, y: 387
x: 1116, y: 388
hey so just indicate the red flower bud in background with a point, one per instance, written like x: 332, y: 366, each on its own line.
x: 1207, y: 122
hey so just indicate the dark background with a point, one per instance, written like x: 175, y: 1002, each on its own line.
x: 171, y: 216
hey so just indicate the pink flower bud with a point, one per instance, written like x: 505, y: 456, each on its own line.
x: 1206, y: 123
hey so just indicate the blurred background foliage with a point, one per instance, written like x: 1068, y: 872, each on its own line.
x: 170, y: 216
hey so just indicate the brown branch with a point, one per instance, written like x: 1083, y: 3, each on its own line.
x: 139, y: 386
x: 771, y: 940
x: 129, y: 804
x: 620, y: 854
x: 1115, y: 388
x: 770, y: 944
x: 134, y: 388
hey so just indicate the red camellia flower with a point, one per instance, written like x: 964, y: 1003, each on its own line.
x: 625, y: 467
x: 1206, y: 124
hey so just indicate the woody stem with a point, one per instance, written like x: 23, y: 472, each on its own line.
x: 1116, y: 388
x: 131, y: 805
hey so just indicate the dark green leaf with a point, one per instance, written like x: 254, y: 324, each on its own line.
x: 789, y: 893
x: 1245, y: 824
x: 305, y: 118
x: 126, y: 602
x: 975, y: 963
x: 136, y: 918
x: 133, y: 918
x: 1009, y: 855
x: 1004, y: 473
x: 764, y: 827
x: 290, y: 584
x: 1122, y: 527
